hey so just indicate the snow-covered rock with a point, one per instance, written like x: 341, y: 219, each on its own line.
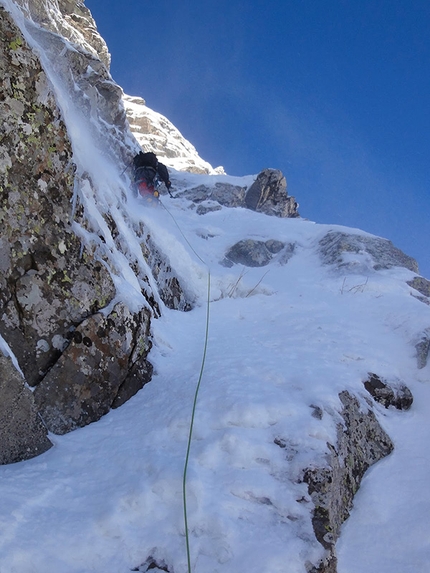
x: 156, y: 133
x: 70, y: 19
x: 353, y: 251
x: 268, y: 194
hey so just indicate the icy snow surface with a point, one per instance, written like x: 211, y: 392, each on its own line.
x: 282, y: 338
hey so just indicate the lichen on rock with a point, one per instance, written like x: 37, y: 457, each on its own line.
x: 358, y: 252
x: 22, y: 434
x: 53, y: 283
x: 361, y: 442
x: 106, y: 353
x: 48, y: 284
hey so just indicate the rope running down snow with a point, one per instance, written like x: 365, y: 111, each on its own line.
x: 190, y: 435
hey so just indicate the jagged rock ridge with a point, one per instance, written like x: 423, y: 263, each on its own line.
x: 154, y: 132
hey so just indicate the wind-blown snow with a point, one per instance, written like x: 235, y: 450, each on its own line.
x: 282, y: 339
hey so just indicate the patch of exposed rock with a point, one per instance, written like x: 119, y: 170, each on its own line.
x: 358, y: 252
x: 361, y: 442
x: 268, y: 195
x: 172, y: 290
x: 153, y: 564
x: 22, y: 434
x: 423, y: 349
x: 421, y: 285
x: 224, y: 194
x: 104, y: 363
x: 251, y: 253
x: 70, y: 19
x: 156, y: 133
x: 394, y: 394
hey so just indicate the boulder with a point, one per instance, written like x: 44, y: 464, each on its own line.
x: 395, y: 394
x: 22, y: 434
x: 268, y: 194
x: 253, y: 253
x: 359, y: 252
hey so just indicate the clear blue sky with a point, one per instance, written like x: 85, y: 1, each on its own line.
x: 334, y: 93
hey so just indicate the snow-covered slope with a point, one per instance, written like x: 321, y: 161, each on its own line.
x: 283, y: 341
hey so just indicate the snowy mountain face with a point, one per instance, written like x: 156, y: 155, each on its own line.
x: 308, y: 345
x: 154, y: 132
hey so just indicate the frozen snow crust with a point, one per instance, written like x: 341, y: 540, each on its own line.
x: 284, y: 341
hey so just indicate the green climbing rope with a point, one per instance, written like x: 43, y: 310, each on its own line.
x: 196, y: 394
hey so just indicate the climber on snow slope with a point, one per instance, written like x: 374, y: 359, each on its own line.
x: 147, y: 169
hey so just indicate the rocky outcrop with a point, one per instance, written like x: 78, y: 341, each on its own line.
x: 154, y: 132
x: 48, y: 283
x: 53, y: 283
x: 106, y: 356
x: 70, y: 19
x: 22, y: 434
x: 394, y: 394
x: 361, y: 442
x: 251, y: 253
x: 358, y: 252
x: 421, y: 285
x: 224, y: 194
x: 268, y: 194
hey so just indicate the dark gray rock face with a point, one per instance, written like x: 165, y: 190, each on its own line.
x: 361, y: 442
x: 104, y: 353
x: 268, y: 194
x: 397, y: 395
x: 223, y: 194
x: 336, y: 246
x: 22, y: 434
x: 420, y: 284
x: 251, y: 253
x: 172, y: 291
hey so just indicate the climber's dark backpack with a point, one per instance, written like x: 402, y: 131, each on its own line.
x: 148, y: 159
